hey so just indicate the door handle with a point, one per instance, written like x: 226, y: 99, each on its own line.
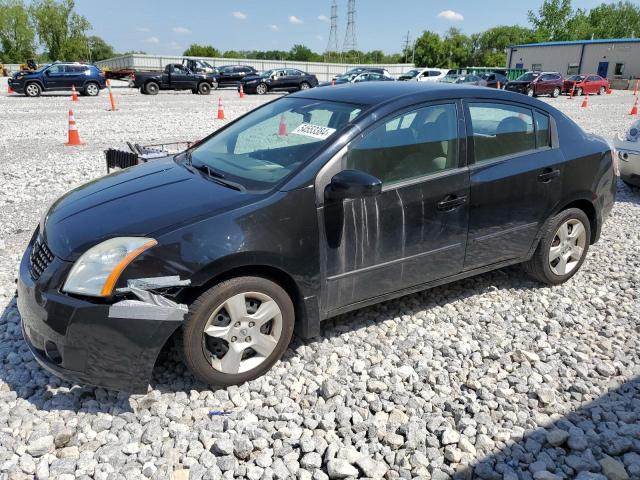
x: 548, y: 174
x: 451, y: 202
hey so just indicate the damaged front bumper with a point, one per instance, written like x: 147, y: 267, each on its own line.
x: 111, y: 346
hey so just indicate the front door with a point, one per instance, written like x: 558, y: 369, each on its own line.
x: 515, y: 180
x: 603, y: 69
x: 53, y: 78
x: 415, y: 231
x: 182, y: 78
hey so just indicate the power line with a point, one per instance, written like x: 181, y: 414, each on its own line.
x: 332, y: 46
x: 350, y: 39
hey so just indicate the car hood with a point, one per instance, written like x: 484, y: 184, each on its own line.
x: 152, y: 198
x: 249, y: 78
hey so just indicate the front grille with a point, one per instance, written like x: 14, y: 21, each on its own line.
x: 40, y: 258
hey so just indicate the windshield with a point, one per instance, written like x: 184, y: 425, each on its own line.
x: 449, y: 78
x: 527, y: 77
x: 411, y: 73
x: 576, y: 78
x: 268, y: 144
x: 267, y: 74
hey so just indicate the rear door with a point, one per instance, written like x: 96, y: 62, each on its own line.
x: 515, y: 179
x: 293, y: 78
x: 414, y: 231
x: 74, y: 75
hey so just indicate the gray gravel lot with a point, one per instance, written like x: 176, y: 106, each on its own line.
x: 492, y: 377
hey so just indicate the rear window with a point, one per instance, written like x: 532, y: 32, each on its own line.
x: 500, y: 130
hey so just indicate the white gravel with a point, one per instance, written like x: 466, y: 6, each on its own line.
x: 493, y: 377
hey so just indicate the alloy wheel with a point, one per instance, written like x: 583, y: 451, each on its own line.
x: 242, y: 332
x: 33, y: 90
x: 261, y: 89
x: 567, y: 247
x: 305, y: 86
x: 92, y: 90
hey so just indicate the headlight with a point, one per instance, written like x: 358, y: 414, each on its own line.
x: 97, y: 271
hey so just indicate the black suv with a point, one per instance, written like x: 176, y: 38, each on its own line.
x: 312, y: 205
x: 87, y: 79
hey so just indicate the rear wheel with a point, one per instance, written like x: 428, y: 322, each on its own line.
x: 601, y: 91
x: 579, y: 91
x: 556, y: 92
x: 152, y: 88
x: 32, y: 90
x: 562, y: 248
x: 237, y: 330
x: 262, y: 89
x: 204, y: 88
x: 305, y: 86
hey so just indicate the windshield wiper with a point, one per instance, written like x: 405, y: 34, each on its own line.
x: 217, y: 176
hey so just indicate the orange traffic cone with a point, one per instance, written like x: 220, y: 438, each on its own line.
x: 241, y: 91
x: 282, y: 128
x: 9, y: 90
x: 585, y: 102
x: 634, y: 109
x: 74, y: 94
x: 220, y: 109
x: 74, y: 136
x: 112, y: 100
x: 573, y: 89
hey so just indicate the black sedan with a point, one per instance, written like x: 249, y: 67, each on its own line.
x: 232, y: 75
x: 365, y: 76
x: 283, y: 79
x: 442, y: 181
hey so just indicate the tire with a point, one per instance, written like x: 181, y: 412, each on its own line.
x: 194, y: 91
x: 556, y: 92
x: 204, y: 88
x: 601, y: 91
x: 542, y: 266
x: 262, y: 89
x: 32, y: 90
x: 152, y: 88
x: 91, y: 89
x: 206, y: 354
x: 579, y: 91
x: 531, y: 93
x: 305, y: 86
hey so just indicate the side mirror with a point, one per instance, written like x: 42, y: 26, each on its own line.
x: 353, y: 184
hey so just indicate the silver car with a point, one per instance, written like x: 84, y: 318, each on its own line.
x: 628, y: 148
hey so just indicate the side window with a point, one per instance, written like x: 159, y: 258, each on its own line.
x: 543, y: 136
x: 56, y: 69
x: 293, y: 73
x: 411, y: 145
x: 434, y: 73
x: 500, y: 129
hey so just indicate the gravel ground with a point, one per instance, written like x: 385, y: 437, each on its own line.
x: 492, y: 377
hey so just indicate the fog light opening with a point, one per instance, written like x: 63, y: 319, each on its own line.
x: 53, y: 354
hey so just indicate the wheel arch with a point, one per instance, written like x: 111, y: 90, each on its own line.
x: 590, y: 211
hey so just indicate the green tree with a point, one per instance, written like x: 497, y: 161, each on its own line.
x: 232, y: 54
x: 613, y: 20
x: 301, y: 53
x: 490, y: 46
x: 60, y: 29
x: 553, y: 20
x: 99, y: 49
x: 17, y: 37
x: 196, y: 50
x: 457, y: 48
x: 429, y: 50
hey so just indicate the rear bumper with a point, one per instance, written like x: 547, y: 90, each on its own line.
x: 77, y: 340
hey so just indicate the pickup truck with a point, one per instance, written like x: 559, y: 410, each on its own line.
x: 174, y: 77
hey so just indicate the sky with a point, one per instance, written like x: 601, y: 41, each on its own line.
x: 170, y: 26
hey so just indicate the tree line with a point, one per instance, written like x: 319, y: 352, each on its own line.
x: 57, y: 32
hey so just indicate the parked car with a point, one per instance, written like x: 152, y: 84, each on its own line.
x: 493, y: 79
x: 267, y: 235
x: 628, y: 149
x: 463, y: 79
x: 199, y: 66
x: 425, y: 75
x: 586, y: 84
x: 537, y: 83
x: 352, y: 72
x: 282, y: 79
x: 60, y: 76
x: 365, y: 76
x: 232, y: 75
x: 174, y: 77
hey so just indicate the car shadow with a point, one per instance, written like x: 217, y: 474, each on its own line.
x: 605, y: 430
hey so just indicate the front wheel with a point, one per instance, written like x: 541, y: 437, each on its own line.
x: 262, y: 89
x: 237, y: 330
x: 204, y: 88
x: 91, y: 89
x: 556, y: 92
x: 562, y: 248
x: 531, y: 93
x: 32, y: 90
x: 601, y: 91
x: 579, y: 91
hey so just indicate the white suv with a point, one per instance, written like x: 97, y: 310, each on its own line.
x: 424, y: 74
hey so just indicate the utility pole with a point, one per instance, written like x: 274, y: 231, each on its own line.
x: 350, y: 39
x: 332, y: 46
x: 405, y: 47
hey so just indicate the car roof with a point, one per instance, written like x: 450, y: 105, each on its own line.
x: 409, y: 93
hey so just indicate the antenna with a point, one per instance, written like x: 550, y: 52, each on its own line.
x: 350, y: 39
x: 332, y: 46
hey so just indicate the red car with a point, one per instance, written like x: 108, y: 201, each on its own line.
x: 588, y: 84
